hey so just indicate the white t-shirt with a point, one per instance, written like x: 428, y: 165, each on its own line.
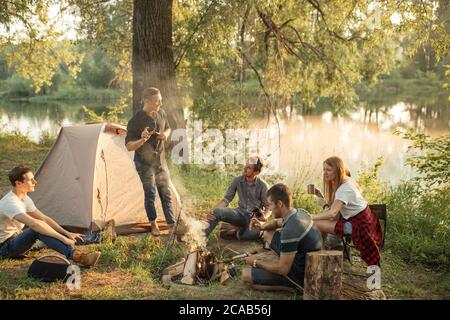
x: 353, y: 201
x: 11, y: 206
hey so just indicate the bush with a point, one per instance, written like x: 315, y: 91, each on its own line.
x: 419, y: 224
x: 18, y: 87
x: 418, y: 227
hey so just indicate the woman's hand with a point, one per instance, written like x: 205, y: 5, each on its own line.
x: 318, y: 193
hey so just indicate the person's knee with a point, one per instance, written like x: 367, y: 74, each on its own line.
x: 217, y: 213
x: 247, y: 275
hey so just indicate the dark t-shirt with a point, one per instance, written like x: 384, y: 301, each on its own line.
x: 152, y: 151
x: 299, y: 236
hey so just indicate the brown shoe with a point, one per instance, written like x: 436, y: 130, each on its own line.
x: 155, y: 229
x: 86, y: 259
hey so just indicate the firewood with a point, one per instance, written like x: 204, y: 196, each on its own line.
x: 224, y: 277
x: 190, y: 268
x: 175, y: 269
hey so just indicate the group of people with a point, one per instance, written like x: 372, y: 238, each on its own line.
x: 291, y: 234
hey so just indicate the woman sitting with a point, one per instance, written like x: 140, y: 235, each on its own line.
x: 347, y: 206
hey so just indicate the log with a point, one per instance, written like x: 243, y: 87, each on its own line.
x: 190, y: 269
x: 323, y: 275
x: 166, y: 280
x: 175, y: 269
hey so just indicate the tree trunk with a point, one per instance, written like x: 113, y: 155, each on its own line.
x: 153, y: 63
x: 323, y: 275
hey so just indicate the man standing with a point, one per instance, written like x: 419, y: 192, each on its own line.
x: 18, y: 210
x: 297, y: 237
x: 252, y: 191
x: 146, y: 134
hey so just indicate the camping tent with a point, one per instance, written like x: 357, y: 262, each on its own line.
x: 89, y: 177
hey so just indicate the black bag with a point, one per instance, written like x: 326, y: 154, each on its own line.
x: 49, y: 268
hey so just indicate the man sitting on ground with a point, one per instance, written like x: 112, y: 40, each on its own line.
x: 297, y: 236
x: 18, y: 210
x: 252, y: 191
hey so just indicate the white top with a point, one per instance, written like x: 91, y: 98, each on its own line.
x: 11, y: 206
x: 353, y: 201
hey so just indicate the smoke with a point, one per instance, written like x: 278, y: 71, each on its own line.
x: 195, y: 236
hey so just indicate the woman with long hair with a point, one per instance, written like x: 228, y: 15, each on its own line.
x: 348, y: 209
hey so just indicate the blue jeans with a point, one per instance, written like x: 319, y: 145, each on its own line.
x: 21, y: 243
x: 156, y: 178
x: 236, y: 217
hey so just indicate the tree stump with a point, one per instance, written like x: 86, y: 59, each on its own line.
x: 323, y: 275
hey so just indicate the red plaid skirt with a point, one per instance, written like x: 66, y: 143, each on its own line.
x: 367, y: 234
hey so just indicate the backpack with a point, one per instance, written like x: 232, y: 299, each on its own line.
x: 49, y: 268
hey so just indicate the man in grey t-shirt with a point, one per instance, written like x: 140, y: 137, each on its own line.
x: 252, y: 191
x: 291, y: 235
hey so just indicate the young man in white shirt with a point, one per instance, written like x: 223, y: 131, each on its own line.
x: 18, y: 210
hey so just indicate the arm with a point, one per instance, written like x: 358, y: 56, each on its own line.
x: 272, y: 225
x: 268, y: 226
x: 37, y: 214
x: 134, y: 145
x: 43, y: 228
x: 281, y: 267
x: 220, y: 204
x: 226, y: 200
x: 331, y: 213
x: 165, y: 134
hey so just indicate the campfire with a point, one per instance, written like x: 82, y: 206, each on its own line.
x: 199, y: 267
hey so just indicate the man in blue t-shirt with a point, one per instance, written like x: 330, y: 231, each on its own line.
x: 297, y: 236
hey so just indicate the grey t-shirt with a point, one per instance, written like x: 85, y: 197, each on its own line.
x: 250, y: 195
x: 299, y: 236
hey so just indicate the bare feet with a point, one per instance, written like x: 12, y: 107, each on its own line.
x: 155, y: 229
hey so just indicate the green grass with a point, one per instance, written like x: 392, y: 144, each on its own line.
x: 17, y: 150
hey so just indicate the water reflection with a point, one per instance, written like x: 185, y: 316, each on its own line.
x: 33, y: 119
x: 359, y: 138
x: 306, y: 143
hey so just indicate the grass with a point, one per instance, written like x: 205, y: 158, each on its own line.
x: 131, y: 267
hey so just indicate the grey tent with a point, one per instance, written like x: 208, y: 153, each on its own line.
x: 89, y: 177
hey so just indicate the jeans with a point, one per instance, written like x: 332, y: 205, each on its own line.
x: 21, y: 243
x: 237, y: 217
x: 156, y: 178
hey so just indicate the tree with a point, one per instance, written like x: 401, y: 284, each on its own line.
x: 298, y: 51
x: 153, y: 60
